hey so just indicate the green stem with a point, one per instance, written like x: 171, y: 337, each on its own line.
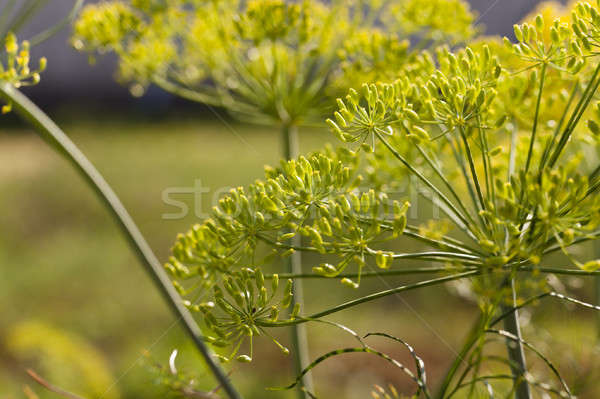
x: 383, y: 273
x: 48, y: 33
x: 440, y: 269
x: 516, y: 352
x: 536, y: 118
x: 463, y: 169
x: 558, y: 127
x: 57, y: 139
x: 294, y: 266
x: 368, y: 298
x: 183, y: 92
x: 578, y: 112
x: 487, y: 163
x: 449, y: 186
x: 472, y: 167
x: 597, y: 287
x: 423, y: 179
x: 472, y: 338
x: 557, y: 270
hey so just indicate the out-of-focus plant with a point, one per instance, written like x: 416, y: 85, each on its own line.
x: 501, y: 138
x: 15, y: 15
x: 16, y: 70
x: 268, y: 61
x: 15, y: 73
x: 61, y: 356
x: 178, y: 383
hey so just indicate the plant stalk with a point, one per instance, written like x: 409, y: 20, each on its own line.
x: 58, y: 140
x: 369, y: 298
x: 516, y: 352
x: 294, y: 265
x: 472, y: 337
x: 597, y: 287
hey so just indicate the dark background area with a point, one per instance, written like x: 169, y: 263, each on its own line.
x: 70, y: 81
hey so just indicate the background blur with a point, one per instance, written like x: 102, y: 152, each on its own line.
x: 76, y: 306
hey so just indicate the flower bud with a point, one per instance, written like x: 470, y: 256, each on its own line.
x: 287, y: 296
x: 382, y: 260
x: 274, y: 313
x: 518, y: 32
x: 349, y: 283
x: 591, y: 266
x: 539, y: 22
x: 296, y: 311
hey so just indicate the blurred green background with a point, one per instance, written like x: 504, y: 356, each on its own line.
x: 77, y: 307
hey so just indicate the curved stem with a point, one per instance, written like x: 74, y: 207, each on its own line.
x: 56, y: 138
x: 50, y: 387
x: 294, y: 266
x: 48, y: 33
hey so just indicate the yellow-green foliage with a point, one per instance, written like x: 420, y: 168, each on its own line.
x: 15, y: 69
x: 61, y: 357
x: 437, y: 20
x: 267, y: 60
x: 390, y: 393
x: 480, y: 129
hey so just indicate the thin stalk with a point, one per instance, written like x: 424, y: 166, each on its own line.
x: 50, y: 387
x: 294, y: 265
x: 399, y: 272
x: 429, y: 256
x: 471, y: 340
x: 487, y: 163
x: 24, y: 13
x: 597, y: 287
x: 372, y: 297
x: 184, y: 92
x: 556, y: 270
x: 461, y: 165
x: 58, y: 140
x: 444, y: 180
x: 472, y: 167
x: 48, y: 33
x: 6, y: 13
x: 536, y: 118
x: 516, y: 352
x: 551, y: 143
x: 578, y: 112
x: 423, y: 179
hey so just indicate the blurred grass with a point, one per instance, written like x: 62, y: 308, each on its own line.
x: 64, y: 263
